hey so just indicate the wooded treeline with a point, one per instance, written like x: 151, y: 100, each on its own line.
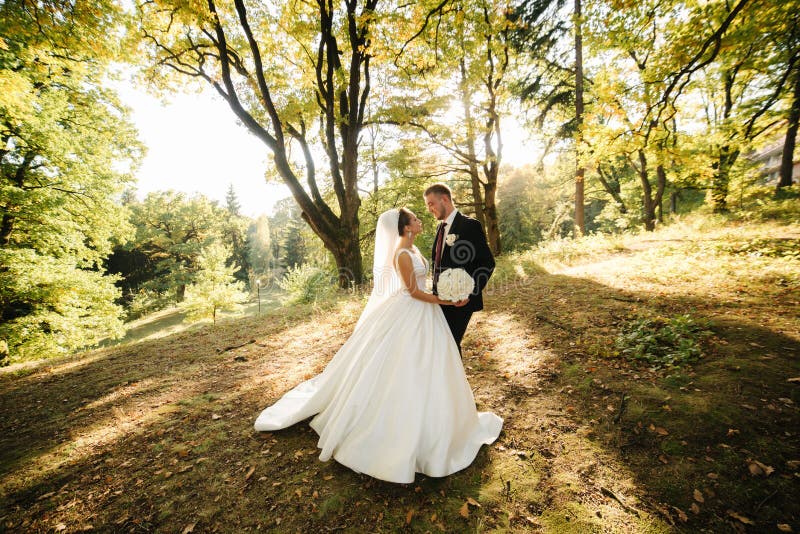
x: 639, y: 108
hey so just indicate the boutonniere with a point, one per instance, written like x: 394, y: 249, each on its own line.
x: 450, y: 239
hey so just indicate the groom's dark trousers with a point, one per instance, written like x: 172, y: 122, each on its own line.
x: 457, y: 320
x: 469, y: 251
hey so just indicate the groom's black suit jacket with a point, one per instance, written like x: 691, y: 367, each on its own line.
x: 470, y: 251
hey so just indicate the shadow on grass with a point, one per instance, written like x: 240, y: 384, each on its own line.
x: 158, y: 436
x: 677, y: 432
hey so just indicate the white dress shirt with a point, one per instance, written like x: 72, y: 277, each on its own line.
x: 447, y: 224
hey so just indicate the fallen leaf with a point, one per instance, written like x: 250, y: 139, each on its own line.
x: 681, y: 514
x: 698, y: 496
x: 663, y: 459
x: 327, y: 477
x: 463, y: 511
x: 795, y: 380
x: 757, y: 468
x: 215, y: 416
x: 694, y: 508
x: 793, y: 464
x: 473, y: 502
x: 433, y: 518
x: 409, y: 517
x: 250, y: 472
x: 661, y: 431
x: 276, y: 484
x: 740, y: 517
x: 189, y: 528
x: 783, y: 527
x: 713, y: 476
x: 59, y: 527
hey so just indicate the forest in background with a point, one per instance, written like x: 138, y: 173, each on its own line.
x: 644, y: 109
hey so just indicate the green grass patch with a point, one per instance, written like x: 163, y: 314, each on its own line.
x: 663, y: 342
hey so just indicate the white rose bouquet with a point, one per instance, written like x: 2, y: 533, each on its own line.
x: 455, y: 285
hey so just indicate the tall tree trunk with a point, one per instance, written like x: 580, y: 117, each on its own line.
x: 492, y: 142
x: 648, y: 206
x: 787, y: 161
x: 721, y: 179
x: 492, y: 223
x: 613, y: 191
x: 580, y: 225
x: 673, y: 202
x: 661, y: 185
x: 472, y: 159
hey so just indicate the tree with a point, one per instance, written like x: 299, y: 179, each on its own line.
x: 295, y: 74
x: 541, y: 32
x: 460, y: 62
x: 215, y: 288
x: 67, y: 150
x: 643, y: 75
x: 235, y: 233
x: 172, y: 230
x: 580, y: 225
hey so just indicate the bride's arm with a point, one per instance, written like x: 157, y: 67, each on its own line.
x: 409, y: 278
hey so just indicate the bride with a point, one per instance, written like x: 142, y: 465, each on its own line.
x: 394, y: 400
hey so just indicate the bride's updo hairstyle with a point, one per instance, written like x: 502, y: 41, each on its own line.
x: 403, y: 221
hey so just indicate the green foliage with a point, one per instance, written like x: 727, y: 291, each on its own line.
x: 67, y: 151
x: 52, y: 307
x: 307, y: 283
x: 215, y: 287
x: 171, y: 232
x: 663, y: 342
x: 534, y: 206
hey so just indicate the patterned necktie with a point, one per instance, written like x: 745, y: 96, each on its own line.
x: 437, y: 259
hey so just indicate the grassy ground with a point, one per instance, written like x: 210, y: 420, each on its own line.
x: 157, y: 435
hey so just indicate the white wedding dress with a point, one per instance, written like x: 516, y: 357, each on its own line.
x: 394, y: 400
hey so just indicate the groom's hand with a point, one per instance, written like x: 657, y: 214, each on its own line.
x: 461, y: 303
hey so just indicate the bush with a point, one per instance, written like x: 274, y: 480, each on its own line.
x: 663, y: 342
x: 306, y: 283
x: 147, y: 301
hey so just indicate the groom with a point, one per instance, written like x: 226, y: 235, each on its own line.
x: 460, y: 242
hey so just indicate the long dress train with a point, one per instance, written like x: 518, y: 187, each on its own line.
x: 394, y: 400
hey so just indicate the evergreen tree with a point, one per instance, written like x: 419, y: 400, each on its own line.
x: 232, y: 201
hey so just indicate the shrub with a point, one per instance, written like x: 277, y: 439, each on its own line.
x: 306, y: 283
x: 663, y: 342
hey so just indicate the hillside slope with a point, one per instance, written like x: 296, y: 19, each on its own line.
x: 157, y: 435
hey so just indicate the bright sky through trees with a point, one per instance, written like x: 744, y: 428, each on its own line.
x: 194, y: 144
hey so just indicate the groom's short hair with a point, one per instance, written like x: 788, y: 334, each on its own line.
x: 439, y: 189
